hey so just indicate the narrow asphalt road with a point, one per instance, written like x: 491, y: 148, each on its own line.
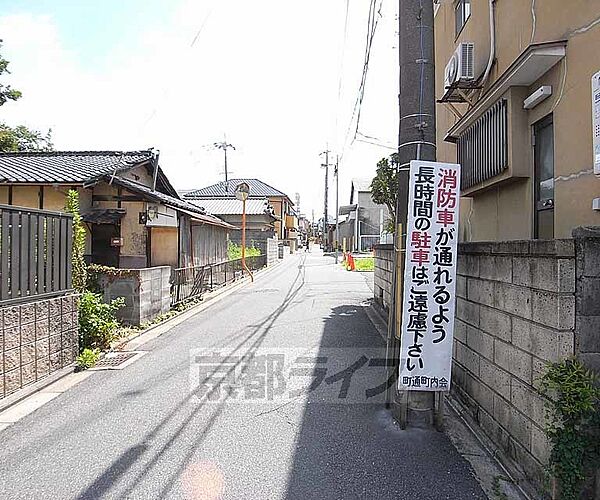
x: 163, y: 427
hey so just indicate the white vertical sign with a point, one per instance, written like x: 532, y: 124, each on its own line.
x: 596, y: 121
x: 429, y: 277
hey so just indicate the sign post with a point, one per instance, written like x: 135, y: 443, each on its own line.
x: 428, y: 305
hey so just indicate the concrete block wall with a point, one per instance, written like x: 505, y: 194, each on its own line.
x: 382, y: 279
x: 515, y: 312
x: 587, y: 296
x: 36, y: 339
x: 147, y: 292
x: 272, y: 251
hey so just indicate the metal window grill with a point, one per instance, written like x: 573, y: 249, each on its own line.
x: 483, y: 147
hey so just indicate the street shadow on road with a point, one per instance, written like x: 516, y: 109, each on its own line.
x: 350, y: 449
x: 149, y: 455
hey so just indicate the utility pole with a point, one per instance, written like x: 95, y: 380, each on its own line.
x: 416, y: 141
x: 326, y: 165
x: 224, y: 145
x: 337, y: 207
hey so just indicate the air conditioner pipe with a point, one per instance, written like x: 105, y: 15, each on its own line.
x: 488, y: 68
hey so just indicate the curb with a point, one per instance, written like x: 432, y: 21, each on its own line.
x: 40, y: 385
x: 497, y: 455
x: 378, y: 319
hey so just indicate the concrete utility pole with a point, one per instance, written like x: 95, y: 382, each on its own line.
x: 326, y: 165
x: 224, y: 146
x: 416, y: 141
x: 337, y: 207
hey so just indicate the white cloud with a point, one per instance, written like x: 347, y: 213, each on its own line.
x: 266, y: 73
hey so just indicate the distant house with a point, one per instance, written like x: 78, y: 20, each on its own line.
x: 133, y: 215
x: 286, y: 223
x: 365, y: 220
x: 260, y: 218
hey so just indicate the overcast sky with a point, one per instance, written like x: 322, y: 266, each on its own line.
x: 127, y: 75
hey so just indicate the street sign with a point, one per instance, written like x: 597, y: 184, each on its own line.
x: 429, y: 277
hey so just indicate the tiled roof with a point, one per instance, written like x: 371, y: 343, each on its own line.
x: 221, y: 206
x: 66, y: 166
x: 165, y: 199
x: 258, y: 189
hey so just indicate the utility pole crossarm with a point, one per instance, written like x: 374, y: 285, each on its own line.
x: 224, y: 145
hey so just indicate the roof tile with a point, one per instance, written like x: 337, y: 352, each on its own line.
x: 65, y: 166
x: 258, y: 189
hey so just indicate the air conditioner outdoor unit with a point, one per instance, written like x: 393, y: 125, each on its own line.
x: 461, y: 66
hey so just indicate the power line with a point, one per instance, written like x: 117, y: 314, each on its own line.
x: 367, y: 58
x: 372, y: 22
x: 166, y: 89
x: 201, y: 29
x: 341, y: 70
x: 394, y: 148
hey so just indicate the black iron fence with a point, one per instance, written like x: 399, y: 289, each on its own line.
x: 191, y: 282
x: 35, y: 253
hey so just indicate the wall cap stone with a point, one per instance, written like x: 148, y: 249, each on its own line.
x: 586, y: 232
x: 554, y: 248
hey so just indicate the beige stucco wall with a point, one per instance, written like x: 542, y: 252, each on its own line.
x: 54, y: 198
x: 133, y: 233
x: 26, y: 196
x: 575, y: 185
x: 164, y: 246
x: 140, y: 174
x: 276, y: 203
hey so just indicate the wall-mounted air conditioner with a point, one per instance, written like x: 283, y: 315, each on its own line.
x: 461, y: 66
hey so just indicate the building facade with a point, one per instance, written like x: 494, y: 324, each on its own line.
x: 260, y: 218
x: 286, y: 223
x: 365, y: 220
x: 133, y: 216
x: 514, y: 87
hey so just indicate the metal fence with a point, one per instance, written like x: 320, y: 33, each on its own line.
x: 192, y: 282
x: 35, y: 253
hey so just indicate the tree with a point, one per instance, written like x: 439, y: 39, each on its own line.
x: 384, y: 188
x: 20, y: 138
x: 6, y: 92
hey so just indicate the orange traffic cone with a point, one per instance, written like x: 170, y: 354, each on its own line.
x: 350, y: 266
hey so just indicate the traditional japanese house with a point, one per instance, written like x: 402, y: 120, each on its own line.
x: 134, y: 217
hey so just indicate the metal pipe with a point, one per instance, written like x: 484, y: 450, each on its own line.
x: 488, y: 68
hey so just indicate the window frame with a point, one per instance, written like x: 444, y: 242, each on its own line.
x: 461, y: 6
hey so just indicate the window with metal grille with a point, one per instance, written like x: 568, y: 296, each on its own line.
x: 483, y: 147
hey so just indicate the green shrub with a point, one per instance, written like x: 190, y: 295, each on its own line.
x: 572, y: 424
x: 97, y: 321
x: 235, y: 251
x: 88, y: 358
x: 365, y: 264
x: 79, y: 274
